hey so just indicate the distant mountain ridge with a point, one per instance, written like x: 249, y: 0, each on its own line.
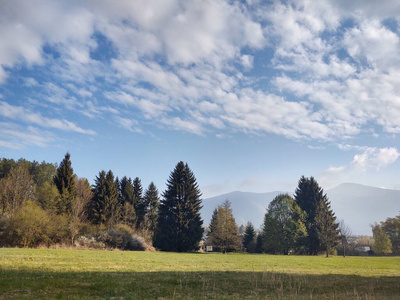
x: 357, y: 204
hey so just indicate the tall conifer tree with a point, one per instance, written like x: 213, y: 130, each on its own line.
x: 104, y: 207
x: 179, y: 226
x: 138, y: 202
x: 249, y: 238
x: 152, y: 202
x: 65, y: 183
x: 224, y: 233
x: 97, y: 203
x: 311, y: 199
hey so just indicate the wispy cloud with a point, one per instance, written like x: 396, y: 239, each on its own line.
x: 24, y: 115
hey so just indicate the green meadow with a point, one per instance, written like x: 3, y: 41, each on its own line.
x: 88, y: 274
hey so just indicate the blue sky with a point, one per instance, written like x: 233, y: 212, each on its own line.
x: 252, y: 94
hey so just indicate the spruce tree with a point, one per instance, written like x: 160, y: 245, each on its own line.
x: 111, y: 203
x: 249, y: 238
x: 65, y: 183
x: 97, y: 203
x: 138, y: 202
x: 128, y: 215
x: 104, y: 207
x: 308, y: 196
x: 327, y: 227
x: 179, y: 226
x: 152, y: 202
x: 224, y: 233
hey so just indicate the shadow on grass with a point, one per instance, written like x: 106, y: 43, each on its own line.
x: 193, y: 285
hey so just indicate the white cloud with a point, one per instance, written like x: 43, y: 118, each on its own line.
x: 178, y: 64
x: 371, y: 160
x: 129, y: 124
x: 375, y: 158
x: 15, y: 137
x: 22, y: 114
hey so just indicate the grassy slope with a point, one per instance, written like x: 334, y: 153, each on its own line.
x: 38, y: 273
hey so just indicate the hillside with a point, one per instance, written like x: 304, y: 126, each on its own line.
x: 357, y: 204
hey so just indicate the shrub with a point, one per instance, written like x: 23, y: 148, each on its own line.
x: 87, y: 241
x: 32, y: 226
x: 121, y: 239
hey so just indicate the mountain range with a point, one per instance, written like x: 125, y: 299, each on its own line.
x: 358, y: 205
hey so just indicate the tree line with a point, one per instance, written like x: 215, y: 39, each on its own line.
x: 44, y: 203
x: 304, y: 224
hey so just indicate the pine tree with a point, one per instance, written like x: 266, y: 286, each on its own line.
x: 249, y: 238
x: 224, y: 233
x: 179, y: 226
x: 382, y: 244
x: 138, y: 202
x: 65, y: 183
x: 308, y: 195
x: 327, y: 227
x: 152, y: 202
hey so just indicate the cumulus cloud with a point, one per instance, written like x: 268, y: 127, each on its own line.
x: 371, y: 159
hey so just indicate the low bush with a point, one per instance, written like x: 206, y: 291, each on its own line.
x: 32, y: 226
x: 121, y: 237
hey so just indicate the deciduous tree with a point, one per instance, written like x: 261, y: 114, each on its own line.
x: 284, y: 227
x: 382, y: 244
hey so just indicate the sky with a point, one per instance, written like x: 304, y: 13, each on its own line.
x: 251, y: 94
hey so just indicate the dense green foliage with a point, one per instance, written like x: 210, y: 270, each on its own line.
x: 284, y: 228
x: 138, y: 202
x: 249, y: 238
x: 179, y: 226
x: 65, y: 183
x: 311, y: 199
x: 391, y: 227
x: 327, y: 228
x: 61, y: 274
x: 152, y: 202
x: 41, y: 204
x: 382, y: 244
x: 224, y: 233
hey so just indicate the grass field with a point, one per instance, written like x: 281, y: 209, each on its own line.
x: 48, y: 273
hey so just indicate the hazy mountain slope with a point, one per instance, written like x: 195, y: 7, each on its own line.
x: 246, y: 206
x: 361, y: 205
x: 357, y: 204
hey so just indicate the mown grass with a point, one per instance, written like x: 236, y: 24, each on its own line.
x: 73, y: 274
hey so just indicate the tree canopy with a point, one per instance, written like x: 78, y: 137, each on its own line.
x: 284, y: 228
